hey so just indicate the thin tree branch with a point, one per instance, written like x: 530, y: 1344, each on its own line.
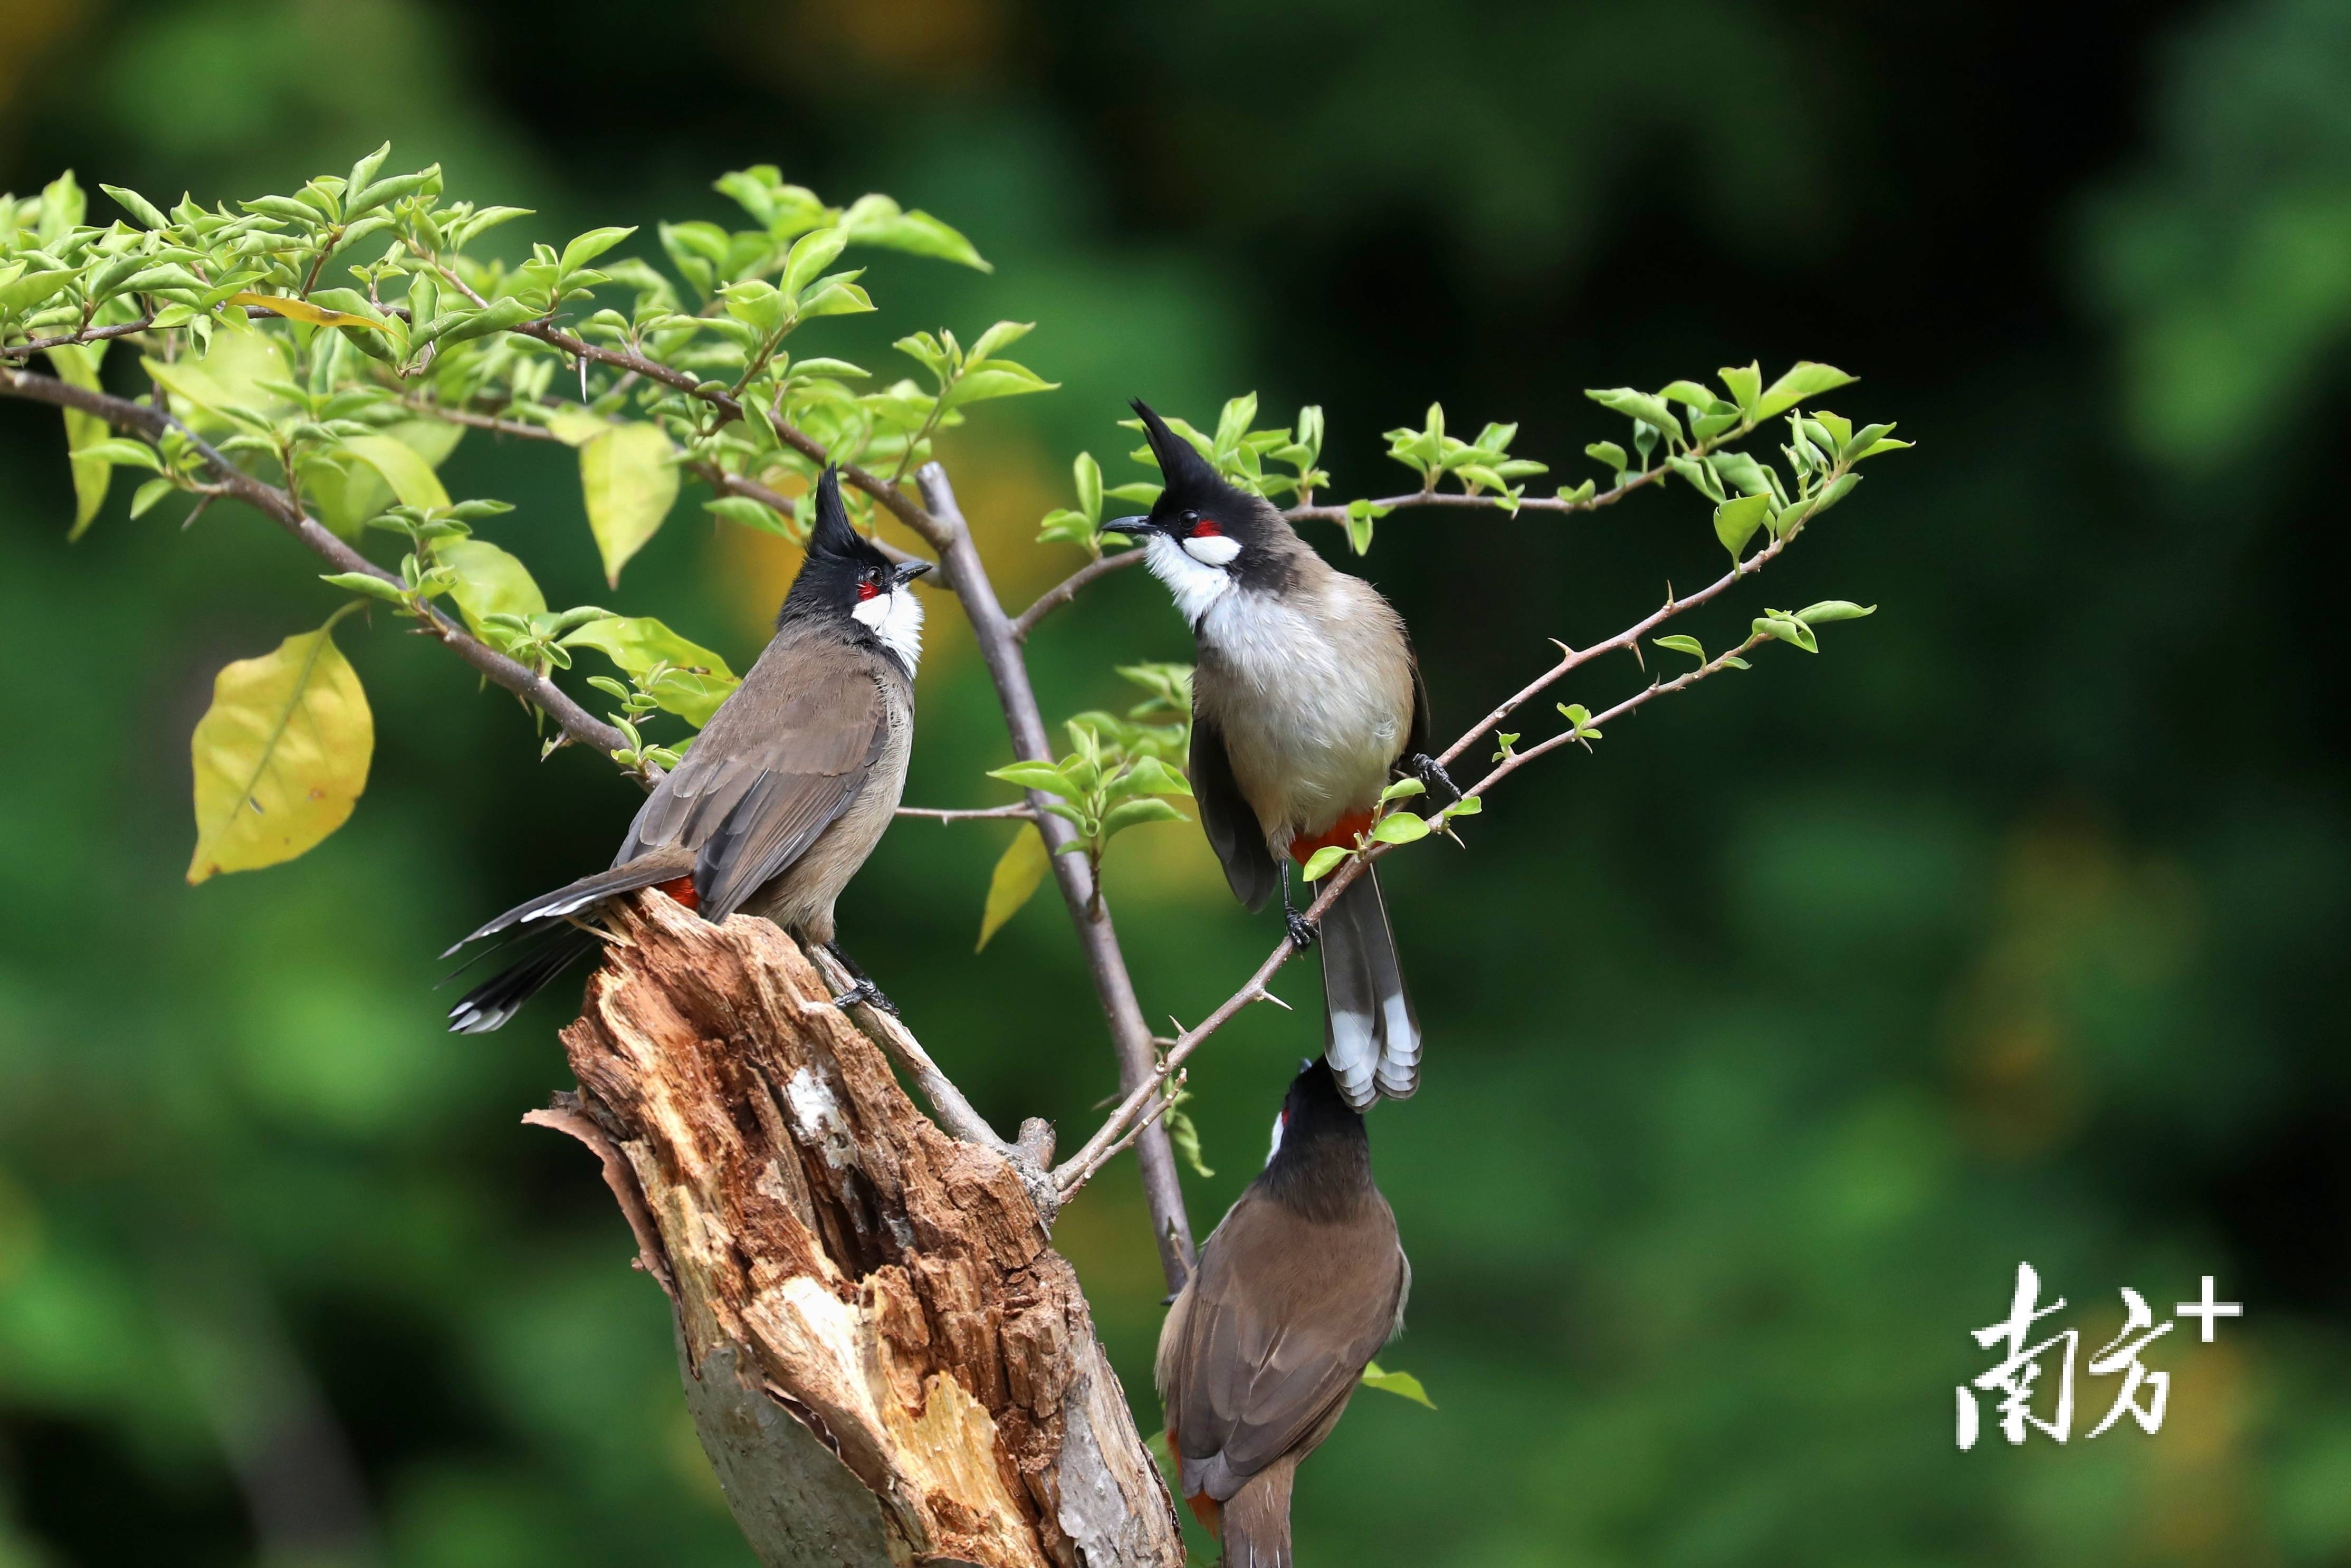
x: 1137, y: 1059
x: 1068, y: 587
x: 1021, y: 811
x: 576, y: 721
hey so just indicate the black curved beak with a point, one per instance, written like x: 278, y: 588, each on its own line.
x: 905, y: 571
x: 1138, y: 524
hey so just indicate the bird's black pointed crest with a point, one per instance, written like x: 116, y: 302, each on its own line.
x: 1187, y: 474
x: 832, y: 533
x: 839, y: 559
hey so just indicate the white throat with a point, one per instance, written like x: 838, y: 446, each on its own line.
x: 1196, y: 584
x: 896, y: 618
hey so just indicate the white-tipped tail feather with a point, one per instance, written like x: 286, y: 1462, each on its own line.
x: 1371, y: 1036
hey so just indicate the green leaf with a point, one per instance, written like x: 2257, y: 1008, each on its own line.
x: 1746, y: 385
x: 1468, y: 805
x: 1579, y: 720
x: 1804, y: 380
x: 591, y: 246
x: 576, y: 426
x: 1087, y: 474
x: 280, y: 757
x: 1680, y: 644
x: 1735, y: 521
x: 744, y: 512
x: 28, y: 289
x: 87, y: 435
x: 1320, y: 862
x: 140, y: 209
x: 1041, y: 776
x: 1019, y: 872
x: 629, y: 484
x: 1638, y: 405
x: 1399, y: 828
x: 366, y: 583
x: 1403, y: 789
x: 411, y: 477
x: 1688, y: 393
x: 489, y: 581
x: 1185, y: 1136
x: 1135, y: 813
x: 878, y: 220
x: 1608, y: 455
x: 696, y: 680
x: 1794, y: 632
x: 1402, y: 1383
x: 1829, y: 610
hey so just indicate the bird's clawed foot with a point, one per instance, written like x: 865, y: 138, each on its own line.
x: 1303, y: 933
x: 865, y: 993
x: 1432, y: 775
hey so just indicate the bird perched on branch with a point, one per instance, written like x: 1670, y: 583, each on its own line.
x: 1296, y: 1290
x: 786, y: 790
x: 1306, y: 702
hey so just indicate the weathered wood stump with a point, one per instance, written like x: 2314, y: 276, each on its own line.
x: 887, y: 1360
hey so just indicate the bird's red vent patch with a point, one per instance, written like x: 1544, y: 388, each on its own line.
x: 1342, y: 834
x: 680, y: 889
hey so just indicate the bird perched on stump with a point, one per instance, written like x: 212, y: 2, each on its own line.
x: 786, y: 790
x: 1306, y: 704
x: 1295, y: 1290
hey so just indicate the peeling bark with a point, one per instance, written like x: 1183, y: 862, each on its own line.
x: 886, y: 1358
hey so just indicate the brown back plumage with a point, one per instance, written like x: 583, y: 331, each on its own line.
x: 1295, y: 1292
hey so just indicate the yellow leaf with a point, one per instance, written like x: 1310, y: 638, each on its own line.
x: 280, y: 757
x: 489, y: 581
x: 411, y: 477
x: 1018, y: 876
x: 629, y: 484
x: 577, y: 426
x: 77, y: 366
x: 1398, y: 1383
x: 303, y: 310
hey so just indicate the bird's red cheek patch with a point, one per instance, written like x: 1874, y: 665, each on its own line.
x: 866, y: 590
x: 1206, y: 528
x: 1342, y: 835
x: 680, y: 889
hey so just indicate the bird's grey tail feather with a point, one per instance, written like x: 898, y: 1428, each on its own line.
x: 1255, y: 1521
x: 573, y: 896
x: 490, y: 1004
x: 1371, y: 1035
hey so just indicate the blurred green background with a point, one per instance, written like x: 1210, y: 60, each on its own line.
x: 1764, y: 1042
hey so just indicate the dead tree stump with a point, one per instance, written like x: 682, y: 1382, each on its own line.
x: 887, y: 1360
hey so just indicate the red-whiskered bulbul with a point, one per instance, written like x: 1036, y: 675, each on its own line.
x: 1306, y: 702
x: 1295, y: 1292
x: 789, y: 786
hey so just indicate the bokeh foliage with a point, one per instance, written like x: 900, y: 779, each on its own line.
x: 1770, y: 1043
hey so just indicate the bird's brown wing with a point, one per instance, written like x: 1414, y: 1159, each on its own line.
x: 783, y: 758
x: 1277, y: 1330
x: 1228, y: 817
x: 1416, y: 742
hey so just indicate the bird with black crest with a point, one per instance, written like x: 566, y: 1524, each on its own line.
x: 784, y: 793
x: 1307, y: 702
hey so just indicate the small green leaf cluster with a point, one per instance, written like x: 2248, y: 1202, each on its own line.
x: 1482, y: 467
x: 1081, y: 525
x: 1100, y: 788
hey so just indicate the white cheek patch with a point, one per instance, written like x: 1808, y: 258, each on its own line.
x: 1214, y: 550
x: 895, y: 618
x: 1195, y: 584
x: 1276, y: 1139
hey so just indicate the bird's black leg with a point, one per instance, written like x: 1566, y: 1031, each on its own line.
x: 1303, y: 931
x: 1431, y: 774
x: 864, y: 990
